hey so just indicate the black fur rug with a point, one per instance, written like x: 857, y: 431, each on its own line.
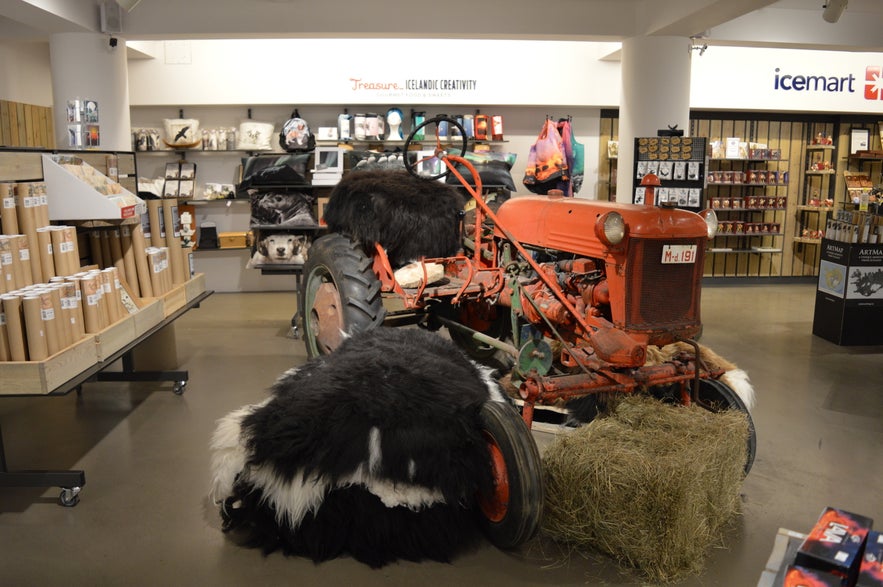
x: 374, y: 451
x: 411, y: 218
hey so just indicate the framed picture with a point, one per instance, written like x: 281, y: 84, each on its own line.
x: 170, y: 190
x: 173, y: 170
x: 188, y: 170
x: 859, y: 139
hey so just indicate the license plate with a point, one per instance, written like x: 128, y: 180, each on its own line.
x: 672, y: 254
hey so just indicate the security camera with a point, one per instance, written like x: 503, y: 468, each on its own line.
x: 833, y: 10
x: 113, y: 42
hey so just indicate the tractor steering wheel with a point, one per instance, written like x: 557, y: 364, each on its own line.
x: 425, y: 165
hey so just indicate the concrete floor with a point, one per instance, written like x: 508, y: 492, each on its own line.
x: 144, y: 518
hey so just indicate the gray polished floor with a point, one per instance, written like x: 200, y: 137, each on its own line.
x: 144, y: 518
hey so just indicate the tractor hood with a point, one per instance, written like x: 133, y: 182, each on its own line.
x: 568, y: 224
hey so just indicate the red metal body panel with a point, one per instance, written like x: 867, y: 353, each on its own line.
x: 568, y: 224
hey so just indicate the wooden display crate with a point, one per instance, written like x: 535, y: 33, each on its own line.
x: 148, y: 316
x: 181, y: 294
x: 115, y: 337
x: 42, y: 377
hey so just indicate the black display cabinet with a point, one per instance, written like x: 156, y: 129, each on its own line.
x: 849, y: 298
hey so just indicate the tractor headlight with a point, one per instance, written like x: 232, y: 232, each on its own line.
x: 711, y: 224
x: 610, y: 228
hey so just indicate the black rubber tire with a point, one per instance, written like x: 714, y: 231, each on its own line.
x: 408, y: 155
x: 510, y: 524
x: 340, y: 267
x: 722, y: 397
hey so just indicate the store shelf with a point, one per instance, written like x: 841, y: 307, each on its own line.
x: 750, y: 185
x: 820, y: 147
x: 805, y: 208
x: 806, y: 240
x: 749, y: 234
x: 718, y: 210
x: 728, y: 251
x: 745, y: 160
x: 825, y: 172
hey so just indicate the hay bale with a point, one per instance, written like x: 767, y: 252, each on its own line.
x: 651, y: 484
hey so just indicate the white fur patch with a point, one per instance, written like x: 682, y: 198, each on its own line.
x: 738, y: 381
x: 495, y: 394
x: 293, y: 499
x: 413, y: 497
x: 228, y: 451
x: 375, y: 457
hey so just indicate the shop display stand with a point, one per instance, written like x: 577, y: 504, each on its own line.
x: 849, y: 303
x: 72, y: 481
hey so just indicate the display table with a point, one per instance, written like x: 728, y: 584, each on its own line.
x: 849, y: 298
x: 72, y: 481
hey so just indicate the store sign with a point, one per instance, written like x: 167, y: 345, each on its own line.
x: 787, y: 79
x: 413, y: 88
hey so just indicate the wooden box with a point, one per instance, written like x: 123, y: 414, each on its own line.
x: 42, y: 377
x: 148, y: 316
x: 115, y: 337
x: 232, y: 240
x: 175, y: 299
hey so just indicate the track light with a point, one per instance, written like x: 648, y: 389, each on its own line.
x: 833, y: 9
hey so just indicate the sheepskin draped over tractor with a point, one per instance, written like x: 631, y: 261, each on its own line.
x: 374, y: 450
x: 411, y: 218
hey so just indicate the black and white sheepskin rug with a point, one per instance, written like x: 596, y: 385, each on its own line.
x: 375, y: 451
x: 411, y: 218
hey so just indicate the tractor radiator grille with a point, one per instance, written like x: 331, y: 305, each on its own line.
x: 661, y: 296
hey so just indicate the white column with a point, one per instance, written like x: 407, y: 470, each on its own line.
x: 85, y: 66
x: 655, y: 95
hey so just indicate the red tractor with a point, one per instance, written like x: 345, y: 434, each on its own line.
x: 572, y: 291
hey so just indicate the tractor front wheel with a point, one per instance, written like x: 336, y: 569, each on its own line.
x: 340, y: 294
x: 512, y: 513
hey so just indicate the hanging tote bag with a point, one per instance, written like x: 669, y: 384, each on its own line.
x: 575, y: 153
x: 546, y: 163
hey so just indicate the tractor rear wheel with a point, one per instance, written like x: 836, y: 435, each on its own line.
x: 719, y: 395
x: 340, y: 294
x: 511, y: 515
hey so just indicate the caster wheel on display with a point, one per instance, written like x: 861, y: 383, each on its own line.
x: 179, y: 387
x: 69, y: 497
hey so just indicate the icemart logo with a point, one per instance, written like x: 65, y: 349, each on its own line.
x: 873, y: 88
x: 874, y: 82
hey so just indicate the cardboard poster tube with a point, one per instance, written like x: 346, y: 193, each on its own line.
x: 139, y: 245
x: 154, y: 261
x: 130, y: 271
x: 116, y: 251
x: 15, y: 327
x: 157, y: 223
x: 4, y: 338
x: 90, y: 299
x: 167, y: 269
x: 25, y: 258
x: 28, y: 225
x: 16, y: 242
x: 58, y: 257
x: 62, y: 318
x: 114, y: 300
x: 47, y: 258
x: 42, y: 207
x: 34, y: 329
x: 95, y: 247
x: 8, y: 214
x: 173, y: 240
x: 71, y: 301
x: 7, y: 274
x: 51, y: 323
x: 66, y: 250
x: 105, y: 249
x: 104, y: 302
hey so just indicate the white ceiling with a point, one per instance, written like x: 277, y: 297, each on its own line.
x: 784, y: 23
